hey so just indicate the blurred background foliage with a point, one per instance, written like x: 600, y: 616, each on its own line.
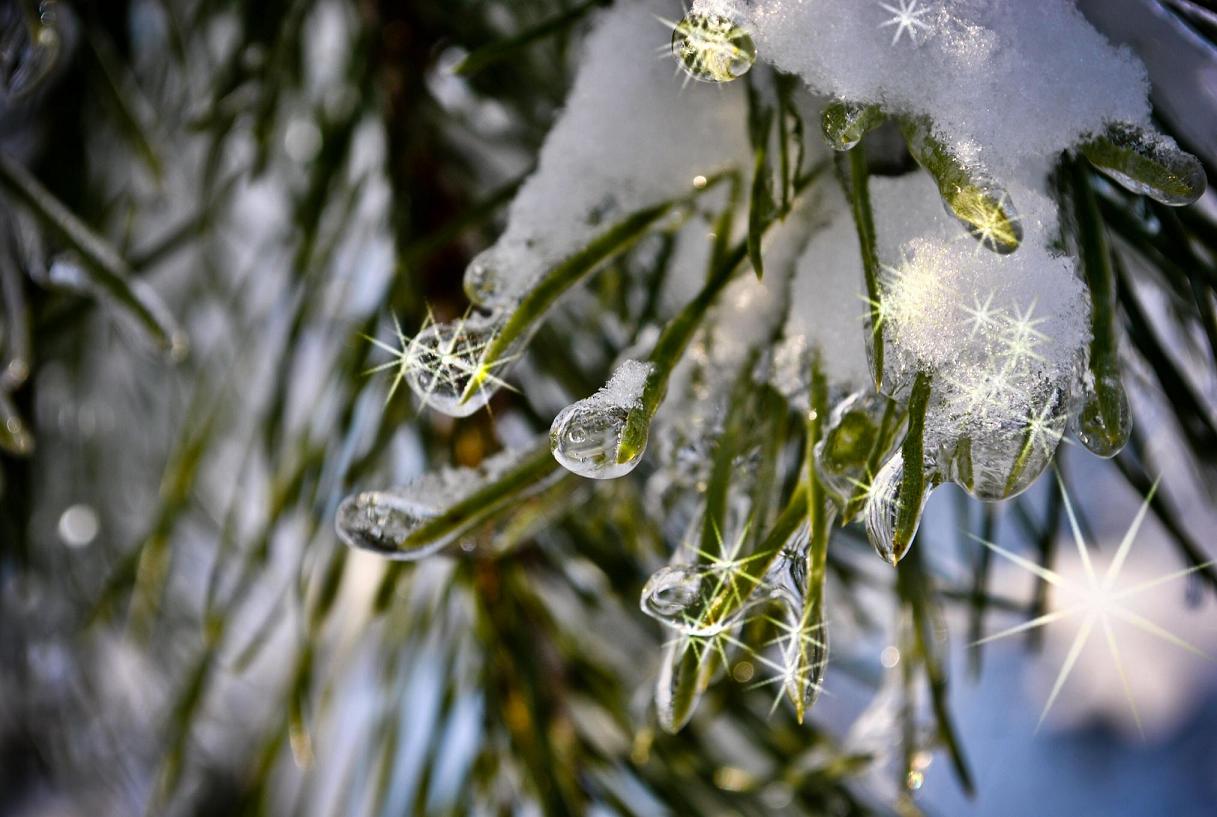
x: 204, y: 207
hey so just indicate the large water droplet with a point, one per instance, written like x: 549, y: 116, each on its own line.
x: 444, y: 365
x: 1006, y: 459
x: 378, y: 521
x: 589, y: 438
x: 711, y: 48
x: 1147, y: 163
x: 1104, y: 422
x: 586, y: 436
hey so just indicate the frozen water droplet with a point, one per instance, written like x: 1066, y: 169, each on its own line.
x: 586, y: 437
x: 444, y: 365
x: 1104, y: 422
x: 802, y: 637
x: 883, y: 511
x: 378, y: 521
x: 711, y: 48
x: 1147, y: 163
x: 978, y: 202
x: 845, y: 123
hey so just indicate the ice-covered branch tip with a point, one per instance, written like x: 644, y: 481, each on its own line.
x: 1147, y: 163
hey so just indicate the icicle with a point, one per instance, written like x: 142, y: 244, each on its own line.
x: 443, y: 364
x: 378, y: 521
x: 1147, y: 163
x: 586, y: 436
x: 977, y: 201
x: 711, y: 48
x: 845, y: 123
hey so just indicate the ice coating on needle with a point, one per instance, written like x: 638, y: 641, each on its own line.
x: 631, y: 136
x: 1002, y: 81
x: 379, y: 521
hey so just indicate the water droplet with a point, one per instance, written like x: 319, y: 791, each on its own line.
x: 1104, y: 422
x: 883, y: 511
x: 1147, y: 163
x: 445, y: 360
x: 845, y: 123
x: 673, y: 594
x: 711, y: 48
x: 378, y: 521
x: 484, y: 280
x: 586, y: 436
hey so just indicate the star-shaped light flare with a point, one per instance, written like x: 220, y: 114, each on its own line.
x: 1097, y: 601
x: 906, y: 18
